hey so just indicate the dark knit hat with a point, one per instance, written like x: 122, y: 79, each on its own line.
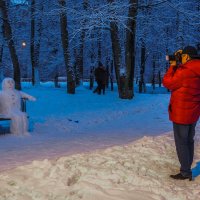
x: 190, y: 50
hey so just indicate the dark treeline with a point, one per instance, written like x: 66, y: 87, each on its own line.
x: 44, y: 39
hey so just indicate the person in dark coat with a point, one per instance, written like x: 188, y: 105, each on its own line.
x: 100, y: 76
x: 184, y: 107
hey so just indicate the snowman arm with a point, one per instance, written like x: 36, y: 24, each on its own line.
x: 27, y: 96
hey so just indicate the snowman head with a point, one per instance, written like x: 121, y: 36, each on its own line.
x: 8, y: 84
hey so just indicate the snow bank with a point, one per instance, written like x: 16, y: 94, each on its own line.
x: 137, y: 171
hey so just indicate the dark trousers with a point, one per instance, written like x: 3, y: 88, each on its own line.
x: 184, y: 141
x: 100, y: 86
x: 103, y: 87
x: 97, y: 90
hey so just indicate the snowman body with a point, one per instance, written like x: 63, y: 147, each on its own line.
x: 10, y: 106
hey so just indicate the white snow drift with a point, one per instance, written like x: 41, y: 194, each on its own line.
x: 137, y: 171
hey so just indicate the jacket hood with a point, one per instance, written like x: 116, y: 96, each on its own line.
x: 194, y: 65
x: 8, y: 84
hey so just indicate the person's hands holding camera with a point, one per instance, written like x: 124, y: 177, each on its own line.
x: 177, y: 60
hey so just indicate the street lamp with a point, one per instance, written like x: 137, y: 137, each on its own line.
x: 23, y: 44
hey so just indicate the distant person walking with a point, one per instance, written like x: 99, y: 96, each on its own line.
x: 184, y: 108
x: 101, y: 77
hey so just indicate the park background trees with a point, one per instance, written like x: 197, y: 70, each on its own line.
x: 44, y: 39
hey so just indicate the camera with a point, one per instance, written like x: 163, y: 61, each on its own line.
x: 175, y: 57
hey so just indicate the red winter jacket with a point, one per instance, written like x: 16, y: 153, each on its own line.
x: 184, y: 83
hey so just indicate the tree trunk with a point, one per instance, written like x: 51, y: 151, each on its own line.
x: 32, y: 45
x: 107, y: 74
x: 116, y: 50
x: 159, y: 79
x: 81, y: 55
x: 99, y: 40
x: 125, y: 82
x: 36, y: 31
x: 130, y: 50
x: 111, y: 77
x: 153, y: 74
x: 91, y: 78
x: 11, y: 46
x: 65, y: 43
x: 77, y: 67
x: 1, y: 58
x: 142, y: 69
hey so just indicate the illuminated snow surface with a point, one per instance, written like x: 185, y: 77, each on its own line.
x: 92, y: 147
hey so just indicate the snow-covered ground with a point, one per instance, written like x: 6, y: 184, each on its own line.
x: 63, y: 125
x: 138, y: 171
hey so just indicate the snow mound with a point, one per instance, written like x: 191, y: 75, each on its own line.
x: 137, y: 171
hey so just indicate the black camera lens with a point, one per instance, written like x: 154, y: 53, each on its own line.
x: 172, y: 57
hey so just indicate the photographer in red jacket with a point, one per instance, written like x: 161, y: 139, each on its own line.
x: 183, y: 80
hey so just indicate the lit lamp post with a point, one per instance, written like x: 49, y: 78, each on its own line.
x: 23, y: 44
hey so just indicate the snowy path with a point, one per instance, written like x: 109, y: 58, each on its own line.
x: 64, y: 124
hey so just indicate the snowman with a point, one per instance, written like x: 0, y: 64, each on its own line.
x: 10, y: 106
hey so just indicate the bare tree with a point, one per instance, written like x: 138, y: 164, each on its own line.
x: 81, y: 61
x: 36, y: 32
x: 143, y: 57
x: 99, y: 43
x: 1, y: 57
x: 9, y: 38
x: 65, y: 44
x: 116, y: 50
x: 32, y: 46
x: 153, y: 78
x: 130, y: 49
x: 125, y: 81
